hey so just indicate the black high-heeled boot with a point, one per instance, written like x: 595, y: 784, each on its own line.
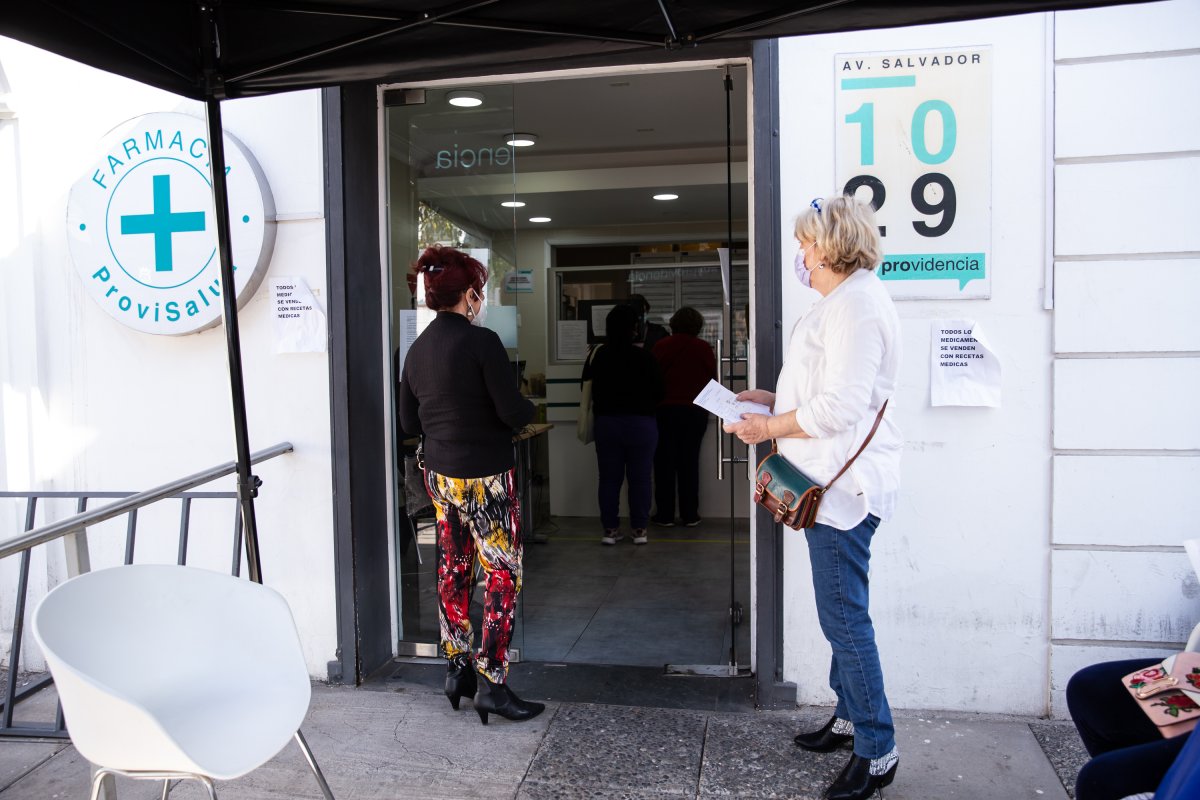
x: 497, y: 698
x: 460, y: 680
x: 823, y: 740
x: 856, y: 781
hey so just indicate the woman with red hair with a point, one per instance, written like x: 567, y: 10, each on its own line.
x: 459, y: 391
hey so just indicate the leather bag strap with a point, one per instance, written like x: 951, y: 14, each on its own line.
x: 867, y: 441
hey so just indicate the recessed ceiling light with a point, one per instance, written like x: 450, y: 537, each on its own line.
x: 539, y: 219
x: 666, y: 196
x: 464, y: 98
x: 513, y: 204
x: 521, y: 139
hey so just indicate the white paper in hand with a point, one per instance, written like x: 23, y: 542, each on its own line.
x: 720, y: 401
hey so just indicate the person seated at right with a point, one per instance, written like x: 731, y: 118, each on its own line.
x: 1129, y: 755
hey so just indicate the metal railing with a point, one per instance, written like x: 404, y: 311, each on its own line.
x: 74, y: 531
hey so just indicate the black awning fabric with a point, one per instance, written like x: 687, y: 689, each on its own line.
x: 278, y: 45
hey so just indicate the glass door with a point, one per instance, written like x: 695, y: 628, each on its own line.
x: 450, y: 179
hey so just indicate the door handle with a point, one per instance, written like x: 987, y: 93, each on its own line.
x: 720, y: 431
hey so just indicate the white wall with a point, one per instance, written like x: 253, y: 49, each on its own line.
x: 959, y: 579
x: 1126, y: 338
x: 87, y: 403
x: 1045, y: 535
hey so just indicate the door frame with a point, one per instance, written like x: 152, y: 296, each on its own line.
x: 358, y: 381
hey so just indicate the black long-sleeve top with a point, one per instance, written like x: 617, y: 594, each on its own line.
x: 459, y: 389
x: 625, y: 380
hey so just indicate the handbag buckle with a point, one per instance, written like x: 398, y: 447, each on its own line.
x: 1165, y: 682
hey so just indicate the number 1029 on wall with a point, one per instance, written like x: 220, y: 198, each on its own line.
x: 914, y: 139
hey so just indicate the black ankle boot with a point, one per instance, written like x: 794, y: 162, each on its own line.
x: 460, y: 680
x: 823, y: 740
x: 497, y: 698
x: 856, y: 781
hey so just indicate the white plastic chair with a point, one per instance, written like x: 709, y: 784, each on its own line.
x: 167, y: 672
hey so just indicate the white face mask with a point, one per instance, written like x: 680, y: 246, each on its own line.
x: 481, y: 314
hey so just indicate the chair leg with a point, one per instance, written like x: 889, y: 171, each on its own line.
x: 102, y: 781
x: 166, y: 788
x: 208, y: 784
x: 312, y: 763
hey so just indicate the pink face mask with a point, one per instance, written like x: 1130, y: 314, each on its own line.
x: 803, y: 273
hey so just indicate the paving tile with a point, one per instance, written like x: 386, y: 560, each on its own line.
x: 970, y: 757
x: 369, y: 731
x: 68, y: 776
x: 19, y: 758
x: 546, y: 791
x: 752, y: 755
x: 593, y: 748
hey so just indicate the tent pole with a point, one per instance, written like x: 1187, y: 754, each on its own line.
x: 247, y: 484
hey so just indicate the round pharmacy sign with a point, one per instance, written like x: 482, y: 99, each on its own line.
x: 142, y: 229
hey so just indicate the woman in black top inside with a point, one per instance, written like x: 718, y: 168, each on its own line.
x: 459, y: 390
x: 626, y: 389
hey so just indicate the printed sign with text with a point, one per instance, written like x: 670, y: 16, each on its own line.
x: 914, y: 139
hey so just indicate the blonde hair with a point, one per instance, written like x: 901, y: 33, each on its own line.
x: 846, y: 232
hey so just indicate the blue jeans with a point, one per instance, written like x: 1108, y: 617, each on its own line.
x: 839, y: 570
x: 625, y: 447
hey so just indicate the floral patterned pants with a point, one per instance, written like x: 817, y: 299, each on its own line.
x: 477, y: 516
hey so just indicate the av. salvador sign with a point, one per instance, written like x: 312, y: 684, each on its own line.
x: 142, y: 229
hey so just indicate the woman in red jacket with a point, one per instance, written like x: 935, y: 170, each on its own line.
x: 687, y: 363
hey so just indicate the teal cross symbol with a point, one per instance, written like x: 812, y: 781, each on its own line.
x: 162, y: 223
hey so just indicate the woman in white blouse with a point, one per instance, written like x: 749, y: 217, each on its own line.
x: 841, y: 366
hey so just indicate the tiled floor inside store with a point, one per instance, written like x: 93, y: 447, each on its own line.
x: 665, y: 602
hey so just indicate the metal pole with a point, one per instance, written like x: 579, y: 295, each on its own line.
x: 247, y: 484
x: 733, y: 484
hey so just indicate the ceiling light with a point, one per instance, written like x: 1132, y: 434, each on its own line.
x: 539, y: 219
x: 513, y: 204
x: 666, y: 196
x: 521, y: 139
x: 464, y: 98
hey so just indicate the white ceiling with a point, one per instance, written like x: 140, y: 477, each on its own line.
x: 605, y: 146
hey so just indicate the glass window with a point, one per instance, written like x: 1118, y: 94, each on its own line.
x: 667, y: 280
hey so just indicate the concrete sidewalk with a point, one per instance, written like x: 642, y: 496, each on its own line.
x: 406, y: 742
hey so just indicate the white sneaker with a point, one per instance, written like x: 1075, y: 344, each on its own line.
x: 639, y: 535
x: 611, y: 536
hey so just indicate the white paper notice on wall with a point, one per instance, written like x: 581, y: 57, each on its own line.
x: 299, y: 321
x: 964, y: 369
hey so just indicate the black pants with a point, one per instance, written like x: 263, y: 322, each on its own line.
x: 677, y: 461
x: 1129, y: 755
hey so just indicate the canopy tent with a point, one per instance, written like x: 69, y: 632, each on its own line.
x: 211, y: 50
x: 269, y: 46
